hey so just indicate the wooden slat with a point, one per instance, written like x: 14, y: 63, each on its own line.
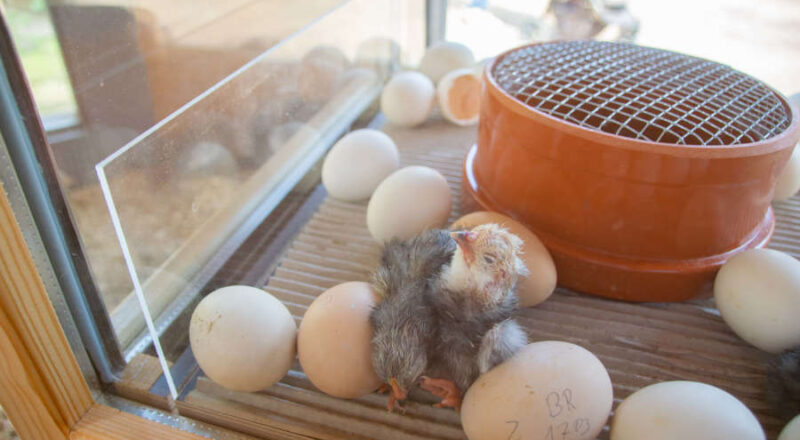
x: 364, y: 417
x: 43, y: 392
x: 103, y: 423
x: 138, y: 377
x: 248, y: 419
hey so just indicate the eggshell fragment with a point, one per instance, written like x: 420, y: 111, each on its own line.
x: 334, y: 343
x: 541, y: 282
x: 789, y: 180
x: 792, y: 430
x: 444, y: 57
x: 459, y: 95
x: 358, y: 163
x: 758, y: 295
x: 407, y: 99
x: 547, y: 390
x: 408, y: 202
x: 243, y: 338
x: 686, y: 411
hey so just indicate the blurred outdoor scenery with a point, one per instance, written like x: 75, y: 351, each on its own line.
x: 41, y: 55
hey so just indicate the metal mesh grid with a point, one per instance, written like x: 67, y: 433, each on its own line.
x: 642, y: 93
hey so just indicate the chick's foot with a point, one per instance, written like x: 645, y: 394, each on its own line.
x: 444, y: 389
x: 396, y: 395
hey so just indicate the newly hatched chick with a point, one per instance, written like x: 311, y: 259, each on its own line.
x: 472, y: 308
x: 403, y: 322
x: 783, y: 383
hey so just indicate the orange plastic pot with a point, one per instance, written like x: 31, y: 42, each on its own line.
x: 623, y: 218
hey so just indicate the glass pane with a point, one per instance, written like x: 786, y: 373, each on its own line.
x: 182, y: 190
x: 104, y: 72
x: 134, y: 63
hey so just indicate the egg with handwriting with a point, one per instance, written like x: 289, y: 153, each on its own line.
x: 357, y: 163
x: 549, y: 389
x: 684, y: 410
x: 243, y: 338
x: 334, y: 343
x: 758, y: 295
x: 408, y: 202
x: 541, y: 282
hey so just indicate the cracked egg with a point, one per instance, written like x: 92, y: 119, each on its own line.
x: 459, y: 96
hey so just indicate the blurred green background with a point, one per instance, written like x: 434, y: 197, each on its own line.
x: 38, y: 47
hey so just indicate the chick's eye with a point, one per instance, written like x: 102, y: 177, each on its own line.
x: 488, y: 258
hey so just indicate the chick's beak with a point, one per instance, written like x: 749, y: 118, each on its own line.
x: 464, y: 240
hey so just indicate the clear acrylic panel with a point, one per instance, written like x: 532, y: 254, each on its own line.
x: 182, y: 193
x: 105, y: 71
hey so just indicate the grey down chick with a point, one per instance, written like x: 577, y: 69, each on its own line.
x: 472, y: 309
x: 446, y: 313
x: 403, y: 320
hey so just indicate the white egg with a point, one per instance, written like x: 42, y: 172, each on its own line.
x: 279, y: 136
x: 758, y: 295
x: 459, y: 95
x: 407, y: 203
x: 358, y: 163
x: 317, y: 80
x: 207, y: 158
x: 444, y: 57
x: 407, y: 99
x: 480, y: 66
x: 379, y: 54
x: 794, y: 101
x: 789, y: 179
x: 792, y: 430
x: 686, y: 411
x: 356, y: 75
x: 243, y: 338
x: 320, y: 70
x: 548, y: 390
x: 327, y: 54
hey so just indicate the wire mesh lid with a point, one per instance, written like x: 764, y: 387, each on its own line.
x: 642, y: 93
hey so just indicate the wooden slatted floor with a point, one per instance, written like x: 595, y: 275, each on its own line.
x: 639, y: 344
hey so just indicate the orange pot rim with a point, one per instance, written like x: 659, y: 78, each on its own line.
x: 777, y: 142
x: 758, y: 238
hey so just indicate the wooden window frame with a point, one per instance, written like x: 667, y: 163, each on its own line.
x: 42, y: 388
